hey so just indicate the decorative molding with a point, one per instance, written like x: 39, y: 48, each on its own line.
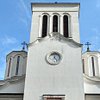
x: 55, y: 36
x: 53, y: 96
x: 94, y: 79
x: 11, y: 80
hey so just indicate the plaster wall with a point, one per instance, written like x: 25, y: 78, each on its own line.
x: 11, y: 97
x: 12, y: 87
x: 91, y: 87
x: 62, y: 79
x: 38, y: 11
x: 13, y: 65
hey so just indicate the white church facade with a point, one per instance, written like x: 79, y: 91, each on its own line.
x: 54, y: 67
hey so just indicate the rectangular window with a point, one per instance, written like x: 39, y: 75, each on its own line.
x: 53, y: 97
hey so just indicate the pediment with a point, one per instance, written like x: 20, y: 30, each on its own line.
x: 56, y: 37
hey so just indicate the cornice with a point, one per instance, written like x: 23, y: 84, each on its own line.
x: 21, y: 51
x: 11, y: 80
x: 57, y: 37
x: 92, y: 79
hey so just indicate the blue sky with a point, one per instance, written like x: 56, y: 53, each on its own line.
x: 15, y: 23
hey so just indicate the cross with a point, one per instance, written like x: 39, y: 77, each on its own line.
x: 24, y: 44
x: 88, y: 44
x: 56, y: 2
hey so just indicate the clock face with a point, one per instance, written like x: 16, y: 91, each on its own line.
x: 54, y: 58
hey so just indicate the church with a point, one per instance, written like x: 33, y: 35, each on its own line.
x: 54, y: 67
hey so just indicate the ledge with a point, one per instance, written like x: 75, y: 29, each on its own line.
x: 55, y: 36
x: 94, y: 79
x: 10, y: 80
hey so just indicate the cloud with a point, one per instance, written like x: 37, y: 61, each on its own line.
x: 24, y: 13
x: 98, y: 3
x: 2, y: 67
x: 95, y: 39
x: 24, y: 21
x: 25, y: 8
x: 95, y: 30
x: 2, y: 71
x: 6, y: 40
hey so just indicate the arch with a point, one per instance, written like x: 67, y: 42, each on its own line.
x: 44, y: 25
x: 55, y: 23
x: 45, y: 14
x: 65, y: 26
x: 7, y: 58
x: 23, y: 56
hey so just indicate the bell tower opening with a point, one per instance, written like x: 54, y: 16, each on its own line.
x: 55, y: 23
x: 9, y: 67
x: 17, y: 65
x: 44, y: 25
x: 93, y: 68
x: 65, y: 26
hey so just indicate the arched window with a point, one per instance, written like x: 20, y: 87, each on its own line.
x: 65, y: 26
x: 44, y: 25
x: 83, y: 65
x: 17, y: 65
x: 9, y: 66
x: 93, y: 67
x: 55, y: 23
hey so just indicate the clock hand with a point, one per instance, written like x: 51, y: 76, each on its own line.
x: 55, y: 59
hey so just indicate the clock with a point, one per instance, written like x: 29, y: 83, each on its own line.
x: 53, y: 58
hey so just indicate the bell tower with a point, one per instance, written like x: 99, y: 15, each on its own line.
x: 55, y: 17
x: 54, y: 66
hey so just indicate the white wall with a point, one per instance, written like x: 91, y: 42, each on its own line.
x: 65, y: 78
x: 22, y: 63
x: 12, y: 86
x: 88, y: 63
x: 60, y: 9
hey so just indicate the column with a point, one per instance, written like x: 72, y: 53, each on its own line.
x: 40, y: 25
x: 61, y: 24
x: 51, y: 23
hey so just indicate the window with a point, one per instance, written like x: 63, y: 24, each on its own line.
x: 65, y: 26
x: 93, y: 68
x: 17, y: 66
x: 44, y: 25
x: 83, y: 65
x: 9, y: 67
x: 53, y: 97
x: 55, y: 23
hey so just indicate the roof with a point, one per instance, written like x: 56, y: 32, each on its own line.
x: 16, y: 52
x: 50, y: 4
x: 91, y: 52
x: 55, y: 3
